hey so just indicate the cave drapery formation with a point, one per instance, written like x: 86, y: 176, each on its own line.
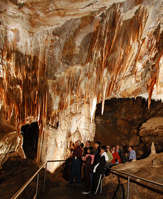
x: 58, y: 59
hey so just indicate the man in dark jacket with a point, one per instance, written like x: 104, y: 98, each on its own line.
x: 76, y: 162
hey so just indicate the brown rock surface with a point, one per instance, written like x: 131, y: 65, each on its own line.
x: 16, y: 171
x: 55, y: 55
x: 149, y: 168
x: 112, y: 129
x: 134, y: 140
x: 152, y: 131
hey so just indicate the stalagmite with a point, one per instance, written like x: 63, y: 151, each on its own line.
x: 153, y: 149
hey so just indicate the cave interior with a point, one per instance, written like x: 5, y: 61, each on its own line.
x: 81, y: 70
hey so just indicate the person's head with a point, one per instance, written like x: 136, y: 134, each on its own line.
x: 97, y: 144
x: 130, y: 148
x: 77, y: 143
x: 117, y: 147
x: 108, y: 148
x: 113, y: 148
x: 88, y: 143
x: 102, y: 149
x: 90, y: 150
x: 82, y: 145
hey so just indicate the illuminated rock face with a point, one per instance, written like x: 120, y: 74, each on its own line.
x: 10, y: 140
x: 63, y: 54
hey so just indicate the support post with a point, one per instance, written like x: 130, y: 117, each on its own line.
x: 128, y: 187
x: 45, y: 177
x: 37, y: 184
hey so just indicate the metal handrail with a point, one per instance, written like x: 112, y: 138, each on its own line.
x: 137, y: 177
x: 133, y: 176
x: 34, y: 175
x: 45, y: 164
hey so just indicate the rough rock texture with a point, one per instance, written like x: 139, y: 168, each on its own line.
x: 152, y: 131
x: 54, y: 55
x: 10, y: 145
x: 149, y: 168
x: 10, y: 140
x: 75, y: 125
x: 130, y: 122
x: 16, y: 172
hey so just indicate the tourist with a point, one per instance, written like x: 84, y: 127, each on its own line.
x: 118, y: 150
x: 125, y: 158
x: 97, y: 146
x: 99, y: 170
x: 132, y: 153
x: 82, y: 147
x: 88, y: 159
x: 76, y: 162
x: 116, y: 159
x: 110, y: 156
x: 88, y: 144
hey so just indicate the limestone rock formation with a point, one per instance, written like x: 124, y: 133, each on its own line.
x: 129, y: 122
x: 10, y: 140
x: 149, y: 168
x: 153, y: 149
x: 55, y: 55
x: 152, y: 131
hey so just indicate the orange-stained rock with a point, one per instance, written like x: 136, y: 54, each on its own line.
x: 55, y: 55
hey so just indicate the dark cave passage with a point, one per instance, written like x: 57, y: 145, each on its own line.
x: 30, y: 139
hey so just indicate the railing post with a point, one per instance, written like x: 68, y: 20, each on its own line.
x: 45, y: 177
x: 128, y: 187
x: 37, y: 184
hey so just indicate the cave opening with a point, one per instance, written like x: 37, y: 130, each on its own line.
x: 128, y: 121
x: 30, y: 134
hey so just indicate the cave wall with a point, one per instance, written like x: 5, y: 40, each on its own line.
x: 54, y: 55
x: 74, y: 124
x: 130, y: 122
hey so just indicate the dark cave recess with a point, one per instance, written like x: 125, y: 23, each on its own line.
x: 30, y: 134
x: 121, y: 121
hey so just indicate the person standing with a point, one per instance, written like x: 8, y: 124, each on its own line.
x: 97, y: 146
x: 132, y: 153
x: 99, y: 170
x: 116, y: 159
x: 76, y: 162
x: 110, y: 156
x: 88, y: 159
x: 88, y: 144
x: 118, y: 150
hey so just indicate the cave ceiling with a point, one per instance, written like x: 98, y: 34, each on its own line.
x: 54, y: 54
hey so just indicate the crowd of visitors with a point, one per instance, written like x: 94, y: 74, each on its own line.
x: 94, y: 163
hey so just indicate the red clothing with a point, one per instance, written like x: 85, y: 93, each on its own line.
x: 77, y: 152
x: 115, y: 156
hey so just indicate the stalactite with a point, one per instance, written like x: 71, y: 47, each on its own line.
x: 104, y: 92
x: 93, y: 107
